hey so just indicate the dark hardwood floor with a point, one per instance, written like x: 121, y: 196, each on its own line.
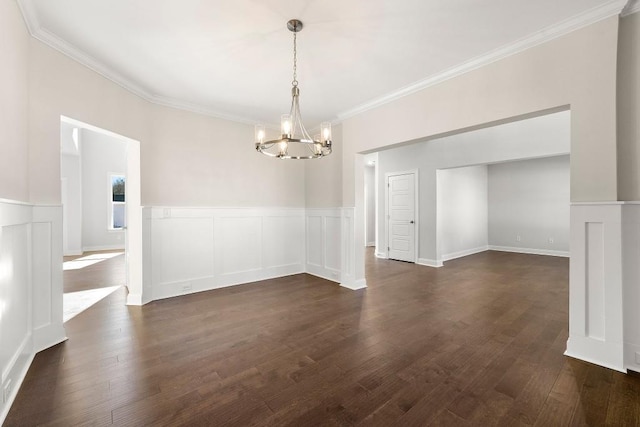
x: 477, y: 342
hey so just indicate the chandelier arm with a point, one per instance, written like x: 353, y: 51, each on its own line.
x: 298, y: 116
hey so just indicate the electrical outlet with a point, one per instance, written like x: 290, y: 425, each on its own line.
x: 6, y: 393
x: 518, y: 238
x: 551, y: 240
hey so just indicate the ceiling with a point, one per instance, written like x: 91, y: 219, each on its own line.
x: 233, y: 59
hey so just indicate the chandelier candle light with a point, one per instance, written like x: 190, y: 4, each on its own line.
x: 295, y: 142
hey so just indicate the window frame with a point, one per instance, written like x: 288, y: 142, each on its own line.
x: 112, y: 204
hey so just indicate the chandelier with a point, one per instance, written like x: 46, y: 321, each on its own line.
x: 294, y: 141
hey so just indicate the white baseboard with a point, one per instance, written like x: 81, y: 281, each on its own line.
x: 429, y: 262
x: 18, y: 379
x: 531, y: 251
x: 369, y: 244
x: 48, y: 336
x: 102, y: 248
x: 73, y: 253
x: 134, y: 299
x: 597, y: 352
x: 382, y: 255
x: 323, y: 273
x: 630, y: 351
x: 358, y: 284
x: 208, y: 283
x: 466, y: 252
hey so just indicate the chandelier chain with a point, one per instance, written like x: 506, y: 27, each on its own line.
x: 295, y: 60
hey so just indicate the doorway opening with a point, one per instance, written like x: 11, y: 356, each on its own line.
x: 100, y: 189
x: 453, y: 221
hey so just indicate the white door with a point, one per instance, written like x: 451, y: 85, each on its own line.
x: 401, y: 217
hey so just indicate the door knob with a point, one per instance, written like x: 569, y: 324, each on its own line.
x: 411, y: 222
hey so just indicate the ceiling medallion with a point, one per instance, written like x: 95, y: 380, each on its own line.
x: 294, y: 141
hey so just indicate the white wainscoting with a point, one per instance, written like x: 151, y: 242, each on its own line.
x: 324, y: 243
x: 330, y: 252
x: 30, y: 289
x: 631, y: 284
x: 46, y: 259
x: 190, y: 250
x: 348, y: 271
x: 595, y: 285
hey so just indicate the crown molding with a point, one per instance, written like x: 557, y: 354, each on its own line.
x: 584, y: 19
x: 40, y: 33
x: 199, y: 109
x: 611, y: 8
x: 632, y: 6
x: 52, y: 40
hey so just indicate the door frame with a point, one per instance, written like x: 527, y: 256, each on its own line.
x: 416, y: 209
x: 133, y: 212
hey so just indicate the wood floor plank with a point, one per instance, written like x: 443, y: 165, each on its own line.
x: 478, y: 342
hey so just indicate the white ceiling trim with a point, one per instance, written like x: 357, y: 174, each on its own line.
x: 587, y: 18
x: 632, y: 7
x: 88, y: 61
x: 613, y: 7
x: 199, y: 109
x: 50, y: 39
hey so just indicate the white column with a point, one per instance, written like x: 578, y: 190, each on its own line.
x: 595, y: 285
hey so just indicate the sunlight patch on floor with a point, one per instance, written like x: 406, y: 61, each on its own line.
x: 75, y: 303
x: 86, y: 261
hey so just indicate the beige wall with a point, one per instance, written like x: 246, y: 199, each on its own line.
x: 629, y: 108
x: 578, y: 69
x: 582, y: 75
x: 60, y: 86
x: 194, y: 160
x: 187, y: 159
x: 14, y: 42
x: 323, y: 177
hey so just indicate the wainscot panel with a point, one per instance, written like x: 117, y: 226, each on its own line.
x: 197, y: 249
x: 30, y: 289
x: 595, y: 285
x: 324, y: 243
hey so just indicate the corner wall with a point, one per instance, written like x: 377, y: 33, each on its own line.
x: 629, y: 179
x: 628, y: 103
x: 14, y: 87
x: 30, y: 236
x: 462, y: 211
x: 529, y: 206
x: 30, y: 289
